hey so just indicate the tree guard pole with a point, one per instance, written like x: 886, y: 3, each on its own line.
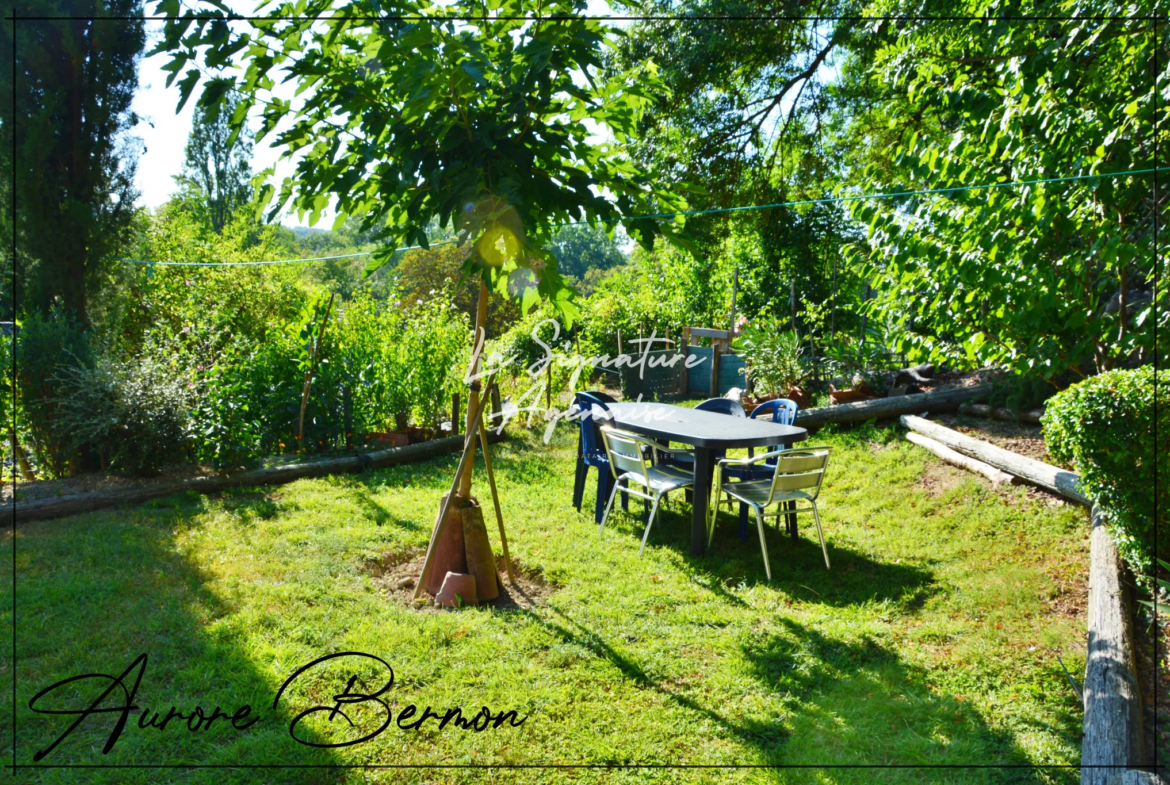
x: 487, y: 465
x: 473, y: 396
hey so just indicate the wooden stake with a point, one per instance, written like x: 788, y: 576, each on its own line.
x: 309, y: 373
x: 487, y: 465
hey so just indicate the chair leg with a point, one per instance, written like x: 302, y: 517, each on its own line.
x: 821, y: 534
x: 625, y: 496
x: 649, y: 523
x: 763, y: 543
x: 579, y: 483
x: 608, y: 507
x: 604, y: 482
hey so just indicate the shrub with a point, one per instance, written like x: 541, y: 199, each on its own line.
x: 1110, y: 427
x: 133, y: 414
x: 772, y: 354
x: 46, y: 347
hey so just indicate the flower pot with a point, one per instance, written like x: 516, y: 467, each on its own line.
x: 852, y: 395
x: 457, y: 586
x: 799, y: 397
x: 388, y: 439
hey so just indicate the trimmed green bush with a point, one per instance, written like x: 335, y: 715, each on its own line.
x: 1110, y: 427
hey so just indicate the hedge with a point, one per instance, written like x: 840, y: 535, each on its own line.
x: 1111, y: 427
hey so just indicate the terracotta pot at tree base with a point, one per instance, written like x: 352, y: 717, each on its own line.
x: 481, y: 562
x: 449, y: 552
x: 457, y: 587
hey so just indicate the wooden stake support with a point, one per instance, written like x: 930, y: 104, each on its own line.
x: 487, y: 465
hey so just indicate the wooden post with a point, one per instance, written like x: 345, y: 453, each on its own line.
x: 792, y: 302
x: 487, y: 466
x: 473, y: 397
x: 455, y: 413
x: 714, y: 369
x: 833, y: 313
x: 734, y: 292
x: 684, y: 375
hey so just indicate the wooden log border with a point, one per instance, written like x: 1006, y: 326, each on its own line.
x: 60, y: 506
x: 1113, y: 712
x: 1111, y: 749
x: 889, y: 407
x: 1036, y: 472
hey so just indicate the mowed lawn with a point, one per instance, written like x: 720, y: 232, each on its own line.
x: 933, y: 639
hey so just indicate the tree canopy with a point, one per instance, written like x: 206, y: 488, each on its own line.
x: 470, y: 112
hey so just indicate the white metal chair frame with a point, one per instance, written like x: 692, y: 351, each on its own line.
x: 797, y: 470
x: 628, y: 463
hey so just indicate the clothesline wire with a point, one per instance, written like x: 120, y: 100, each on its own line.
x: 715, y: 211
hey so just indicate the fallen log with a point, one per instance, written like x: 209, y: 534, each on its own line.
x: 889, y: 407
x: 60, y: 506
x: 1036, y: 472
x: 1113, y: 720
x: 996, y: 476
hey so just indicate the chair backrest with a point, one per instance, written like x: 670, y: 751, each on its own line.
x: 589, y: 407
x: 783, y: 411
x: 600, y: 396
x: 799, y: 469
x: 625, y: 452
x: 722, y: 406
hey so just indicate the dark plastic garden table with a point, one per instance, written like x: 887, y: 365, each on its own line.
x: 707, y: 432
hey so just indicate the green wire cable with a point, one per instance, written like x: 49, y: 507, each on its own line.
x: 801, y: 203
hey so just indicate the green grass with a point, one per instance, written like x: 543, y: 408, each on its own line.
x: 933, y: 640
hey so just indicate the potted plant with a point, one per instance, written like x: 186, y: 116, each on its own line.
x: 854, y: 363
x: 772, y: 354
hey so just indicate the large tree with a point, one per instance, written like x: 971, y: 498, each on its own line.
x: 471, y: 113
x: 74, y: 175
x: 1058, y: 280
x: 218, y: 163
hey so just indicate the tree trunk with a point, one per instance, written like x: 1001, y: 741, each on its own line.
x: 1056, y: 480
x: 889, y: 407
x: 996, y: 476
x: 473, y: 397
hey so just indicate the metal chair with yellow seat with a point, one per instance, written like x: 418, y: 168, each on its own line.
x: 796, y: 478
x: 632, y: 467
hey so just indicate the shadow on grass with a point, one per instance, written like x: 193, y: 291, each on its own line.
x: 839, y: 701
x: 798, y: 567
x: 96, y: 591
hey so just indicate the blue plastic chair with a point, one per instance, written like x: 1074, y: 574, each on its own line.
x: 722, y: 406
x: 591, y: 452
x: 783, y: 411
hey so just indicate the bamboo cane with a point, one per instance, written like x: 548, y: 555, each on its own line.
x: 487, y: 465
x: 312, y: 368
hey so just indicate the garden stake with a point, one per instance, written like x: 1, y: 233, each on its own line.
x: 309, y: 373
x: 487, y: 465
x: 468, y: 451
